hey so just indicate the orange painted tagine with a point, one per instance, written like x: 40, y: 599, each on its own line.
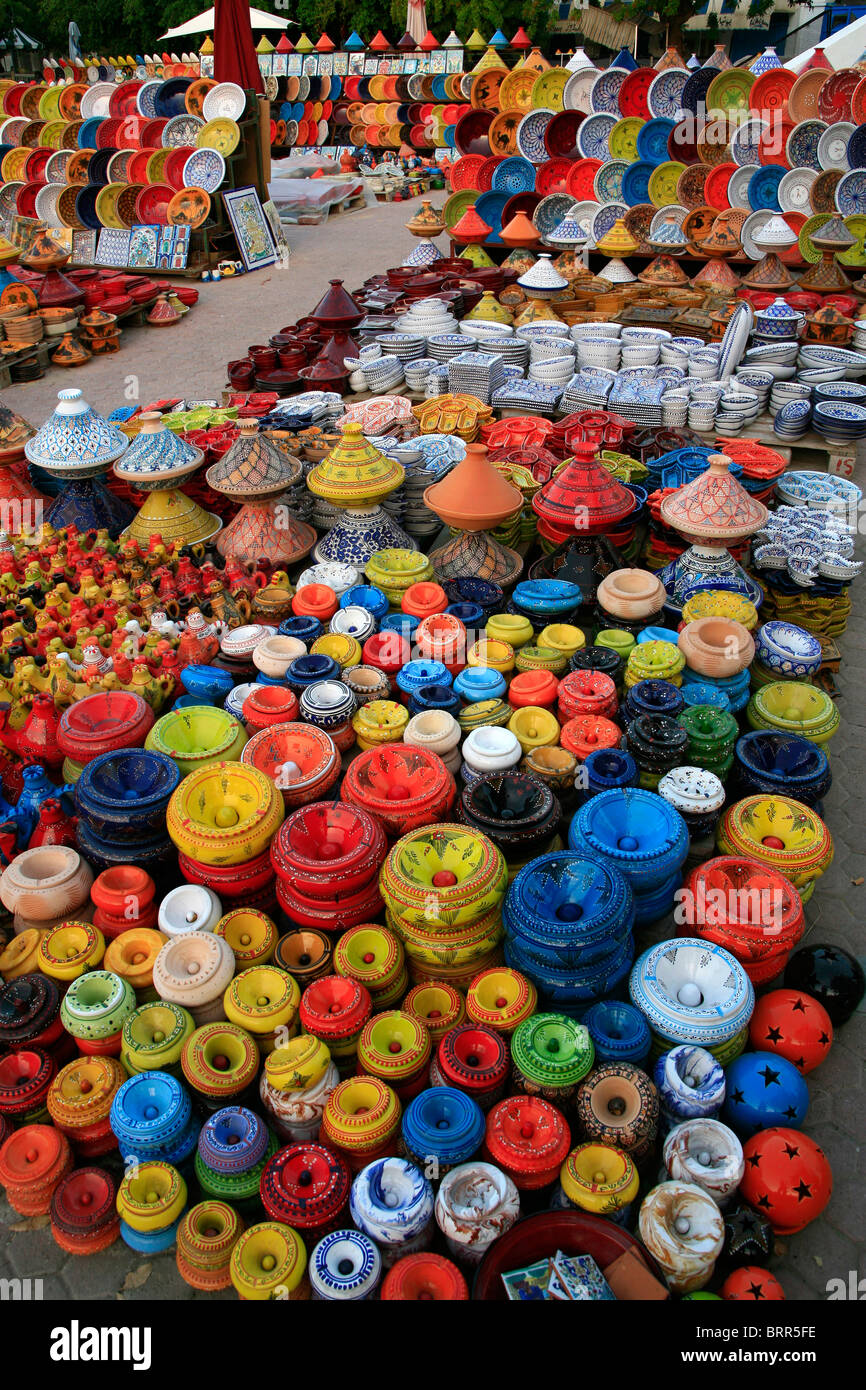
x: 474, y: 496
x: 519, y: 231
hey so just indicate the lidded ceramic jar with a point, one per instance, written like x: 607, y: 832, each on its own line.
x: 550, y: 1054
x: 600, y: 1179
x: 81, y: 1099
x: 378, y: 722
x: 153, y: 1037
x: 683, y: 1230
x: 691, y: 1084
x: 307, y: 1184
x: 190, y: 908
x: 33, y: 1161
x: 361, y: 1120
x: 46, y: 884
x: 392, y: 1202
x: 268, y: 1261
x: 335, y: 1010
x: 441, y: 1128
x: 618, y: 1104
x: 528, y: 1139
x: 264, y: 1000
x: 345, y: 1266
x: 438, y: 1005
x: 219, y: 1061
x: 65, y: 952
x: 476, y: 1203
x: 709, y: 1155
x: 298, y: 1064
x: 206, y: 1237
x: 195, y: 970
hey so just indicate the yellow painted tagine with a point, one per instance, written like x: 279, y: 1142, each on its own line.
x: 355, y: 473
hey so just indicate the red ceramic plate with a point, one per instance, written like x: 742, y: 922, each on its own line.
x: 122, y: 100
x: 34, y: 168
x: 25, y: 200
x: 769, y: 150
x: 683, y: 142
x: 560, y: 136
x: 836, y: 95
x: 117, y: 304
x: 130, y: 131
x: 486, y: 172
x: 470, y: 135
x: 793, y: 255
x: 858, y: 103
x: 464, y: 172
x: 108, y: 133
x: 520, y: 202
x: 173, y: 168
x: 716, y: 185
x: 136, y: 170
x: 552, y: 177
x: 770, y: 91
x: 633, y: 93
x: 151, y: 133
x: 152, y: 204
x: 579, y: 184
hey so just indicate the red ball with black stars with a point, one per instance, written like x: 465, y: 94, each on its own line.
x: 752, y: 1284
x: 787, y: 1178
x: 793, y: 1024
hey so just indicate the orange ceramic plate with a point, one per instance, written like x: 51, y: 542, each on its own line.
x: 188, y: 208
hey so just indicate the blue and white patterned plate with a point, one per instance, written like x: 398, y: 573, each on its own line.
x: 801, y: 147
x: 514, y: 175
x: 607, y: 184
x: 857, y: 148
x: 205, y: 169
x: 181, y: 130
x: 592, y: 137
x: 530, y: 135
x: 851, y: 193
x: 665, y: 95
x: 604, y: 219
x: 605, y: 91
x: 550, y: 212
x: 746, y: 140
x: 652, y: 140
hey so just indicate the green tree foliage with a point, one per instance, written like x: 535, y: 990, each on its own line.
x: 674, y: 14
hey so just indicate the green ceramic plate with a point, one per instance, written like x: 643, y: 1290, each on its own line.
x: 457, y: 204
x: 623, y: 138
x: 663, y: 183
x: 730, y: 91
x: 855, y: 255
x: 809, y: 252
x: 548, y: 88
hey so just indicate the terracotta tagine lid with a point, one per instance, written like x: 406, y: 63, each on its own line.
x: 716, y: 275
x: 663, y: 271
x: 69, y: 352
x: 473, y: 496
x: 162, y: 315
x: 714, y: 506
x: 769, y: 273
x: 426, y: 222
x: 14, y: 434
x: 520, y: 231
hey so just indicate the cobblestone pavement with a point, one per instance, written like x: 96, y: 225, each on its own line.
x: 835, y: 1244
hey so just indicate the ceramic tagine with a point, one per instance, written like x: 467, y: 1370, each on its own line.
x: 826, y: 275
x: 155, y: 463
x: 257, y: 471
x: 618, y: 242
x: 77, y: 445
x: 356, y: 477
x: 710, y: 512
x: 473, y: 499
x: 584, y: 499
x: 769, y: 273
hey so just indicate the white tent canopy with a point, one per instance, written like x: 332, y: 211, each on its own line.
x: 204, y: 23
x: 843, y: 49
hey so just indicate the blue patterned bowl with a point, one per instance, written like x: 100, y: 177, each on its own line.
x: 619, y: 1031
x: 690, y: 990
x: 443, y: 1124
x: 209, y: 684
x: 566, y: 910
x: 547, y: 596
x: 608, y: 768
x: 787, y: 648
x: 635, y: 830
x: 150, y: 1111
x: 127, y: 791
x: 772, y: 762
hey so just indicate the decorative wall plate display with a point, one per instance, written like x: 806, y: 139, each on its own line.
x: 204, y: 169
x: 607, y: 184
x: 515, y: 93
x: 638, y: 221
x: 729, y: 91
x: 513, y: 175
x: 470, y: 134
x: 560, y: 137
x: 623, y: 138
x: 794, y: 190
x: 552, y: 177
x: 604, y: 96
x: 219, y: 134
x: 663, y: 183
x: 690, y: 185
x: 833, y: 145
x: 851, y: 193
x: 802, y: 145
x: 530, y: 135
x: 635, y: 184
x: 652, y: 140
x: 665, y: 95
x: 763, y: 187
x: 594, y: 135
x: 856, y: 152
x: 834, y: 97
x: 855, y: 255
x: 696, y: 87
x: 225, y: 100
x: 485, y: 89
x: 822, y: 195
x: 770, y: 92
x: 577, y: 95
x: 550, y: 212
x: 716, y: 185
x: 549, y: 89
x: 633, y: 94
x: 581, y: 178
x: 502, y: 134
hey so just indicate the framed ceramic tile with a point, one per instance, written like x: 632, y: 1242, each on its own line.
x: 143, y: 245
x: 355, y: 64
x: 371, y: 67
x: 83, y: 248
x: 311, y: 62
x: 112, y: 247
x: 294, y: 64
x: 454, y: 60
x: 279, y: 67
x: 341, y: 64
x: 63, y: 237
x: 206, y: 64
x: 283, y: 249
x: 251, y: 228
x: 437, y: 60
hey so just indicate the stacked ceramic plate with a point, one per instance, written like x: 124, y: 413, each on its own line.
x: 792, y: 420
x: 552, y: 371
x: 527, y: 395
x: 513, y: 351
x: 590, y: 386
x: 475, y: 374
x: 853, y: 363
x: 417, y: 371
x: 839, y: 422
x: 738, y: 406
x: 785, y: 391
x: 405, y: 346
x: 755, y: 380
x: 443, y: 346
x: 427, y: 317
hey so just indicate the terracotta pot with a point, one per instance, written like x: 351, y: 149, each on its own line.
x: 631, y: 593
x: 45, y: 883
x: 716, y: 646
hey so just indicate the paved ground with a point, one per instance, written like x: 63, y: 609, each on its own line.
x: 190, y: 359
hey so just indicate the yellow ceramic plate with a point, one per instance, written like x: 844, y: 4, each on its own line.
x: 51, y: 134
x: 623, y: 138
x: 220, y: 134
x: 548, y: 89
x: 49, y: 104
x: 662, y: 185
x: 12, y: 166
x: 156, y: 166
x: 516, y: 90
x: 106, y: 206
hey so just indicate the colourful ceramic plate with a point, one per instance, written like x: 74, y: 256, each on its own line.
x: 516, y: 90
x: 188, y: 208
x: 623, y: 138
x: 605, y: 91
x: 808, y: 250
x: 803, y: 97
x: 855, y: 255
x: 730, y: 91
x: 663, y: 183
x: 822, y: 195
x: 549, y: 89
x: 221, y: 134
x: 607, y: 184
x: 457, y: 204
x: 665, y: 94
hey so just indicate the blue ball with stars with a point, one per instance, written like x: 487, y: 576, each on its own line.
x: 763, y: 1089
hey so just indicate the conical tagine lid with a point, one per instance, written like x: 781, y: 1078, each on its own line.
x: 474, y: 496
x: 75, y: 441
x: 714, y: 506
x: 584, y: 497
x: 156, y: 450
x: 254, y: 466
x: 355, y: 473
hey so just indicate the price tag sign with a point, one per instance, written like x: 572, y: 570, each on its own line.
x: 842, y: 465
